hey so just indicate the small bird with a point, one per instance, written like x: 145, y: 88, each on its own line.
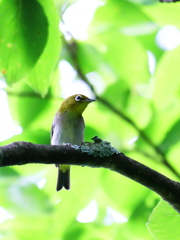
x: 68, y: 127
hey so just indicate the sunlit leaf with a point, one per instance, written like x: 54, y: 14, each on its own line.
x: 23, y: 36
x: 121, y: 54
x: 25, y: 198
x: 27, y: 105
x: 113, y: 15
x: 8, y: 172
x: 164, y: 222
x: 114, y: 185
x: 34, y: 227
x: 167, y: 81
x: 163, y: 14
x: 172, y: 137
x: 43, y: 72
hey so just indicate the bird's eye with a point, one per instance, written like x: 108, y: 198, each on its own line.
x: 78, y: 98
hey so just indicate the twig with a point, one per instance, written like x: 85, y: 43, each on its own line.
x: 28, y: 94
x: 169, y: 1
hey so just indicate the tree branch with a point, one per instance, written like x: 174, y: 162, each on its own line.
x: 20, y: 153
x: 169, y: 1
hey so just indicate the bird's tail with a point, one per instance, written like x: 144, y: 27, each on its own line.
x: 63, y: 177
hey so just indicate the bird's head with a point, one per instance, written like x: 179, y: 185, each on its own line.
x: 75, y: 104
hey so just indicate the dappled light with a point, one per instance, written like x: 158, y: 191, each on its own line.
x: 126, y: 56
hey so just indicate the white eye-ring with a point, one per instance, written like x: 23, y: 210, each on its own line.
x: 78, y: 98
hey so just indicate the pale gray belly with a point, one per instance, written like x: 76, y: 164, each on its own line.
x: 73, y: 133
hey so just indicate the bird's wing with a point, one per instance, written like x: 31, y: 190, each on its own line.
x: 52, y: 127
x: 84, y: 123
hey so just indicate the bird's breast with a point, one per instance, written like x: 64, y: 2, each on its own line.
x: 68, y: 130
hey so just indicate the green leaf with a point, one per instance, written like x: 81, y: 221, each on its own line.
x: 125, y: 56
x: 8, y: 172
x: 163, y: 14
x: 23, y: 36
x: 80, y: 183
x: 89, y: 58
x: 113, y: 31
x: 171, y: 138
x: 114, y: 15
x: 111, y: 182
x: 22, y: 104
x: 132, y: 104
x: 34, y: 135
x: 167, y: 82
x: 22, y: 197
x: 41, y: 76
x: 128, y: 58
x: 164, y: 222
x: 28, y: 227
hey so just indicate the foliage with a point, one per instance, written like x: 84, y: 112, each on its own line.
x: 134, y: 102
x: 164, y: 222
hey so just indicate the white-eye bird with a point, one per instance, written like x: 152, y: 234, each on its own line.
x: 68, y: 127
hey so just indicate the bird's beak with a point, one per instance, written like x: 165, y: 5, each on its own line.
x: 89, y: 100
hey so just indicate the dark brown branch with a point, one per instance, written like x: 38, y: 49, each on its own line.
x: 20, y: 153
x: 169, y: 1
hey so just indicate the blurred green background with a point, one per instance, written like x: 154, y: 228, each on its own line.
x: 125, y: 54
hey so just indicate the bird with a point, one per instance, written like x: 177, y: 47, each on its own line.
x: 68, y: 128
